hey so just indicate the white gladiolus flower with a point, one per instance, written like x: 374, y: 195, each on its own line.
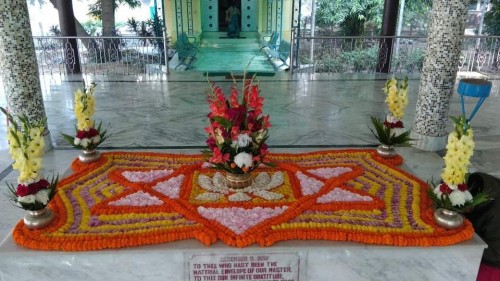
x: 244, y: 140
x: 77, y: 141
x: 457, y: 198
x: 437, y: 191
x: 391, y: 119
x: 397, y: 131
x: 28, y: 199
x: 218, y: 136
x: 260, y: 136
x: 29, y: 181
x: 468, y: 196
x: 96, y: 139
x: 85, y: 142
x: 42, y: 196
x: 243, y: 159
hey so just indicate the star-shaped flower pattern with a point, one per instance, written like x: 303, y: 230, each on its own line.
x: 129, y: 199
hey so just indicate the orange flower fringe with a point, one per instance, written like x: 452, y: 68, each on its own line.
x: 129, y: 199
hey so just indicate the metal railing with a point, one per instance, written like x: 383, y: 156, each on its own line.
x: 150, y: 55
x: 349, y: 54
x: 121, y: 55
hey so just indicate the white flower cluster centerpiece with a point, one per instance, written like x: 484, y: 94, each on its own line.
x: 26, y: 146
x: 238, y: 130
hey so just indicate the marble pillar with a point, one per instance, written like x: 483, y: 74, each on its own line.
x: 18, y: 65
x: 444, y: 44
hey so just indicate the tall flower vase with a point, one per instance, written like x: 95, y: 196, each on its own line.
x: 38, y: 219
x: 238, y: 181
x: 386, y: 151
x: 89, y: 156
x: 448, y: 219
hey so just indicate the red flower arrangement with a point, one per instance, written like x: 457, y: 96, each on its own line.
x: 238, y: 129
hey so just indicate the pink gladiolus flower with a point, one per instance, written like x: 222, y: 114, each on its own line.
x: 243, y: 121
x: 263, y: 149
x: 265, y: 122
x: 237, y: 115
x: 255, y: 101
x: 218, y: 157
x: 234, y: 97
x: 235, y: 131
x: 211, y: 143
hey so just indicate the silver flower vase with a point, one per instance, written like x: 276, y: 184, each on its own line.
x: 89, y: 156
x: 448, y: 219
x: 38, y: 219
x: 386, y: 151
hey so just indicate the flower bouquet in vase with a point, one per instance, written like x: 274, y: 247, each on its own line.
x: 452, y: 197
x: 391, y: 132
x: 88, y: 137
x: 237, y: 133
x: 33, y: 192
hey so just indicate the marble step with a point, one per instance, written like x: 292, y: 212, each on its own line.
x: 217, y: 35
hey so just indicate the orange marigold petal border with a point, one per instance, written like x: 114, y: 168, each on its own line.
x: 395, y: 210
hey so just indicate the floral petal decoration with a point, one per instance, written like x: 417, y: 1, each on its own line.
x: 344, y: 195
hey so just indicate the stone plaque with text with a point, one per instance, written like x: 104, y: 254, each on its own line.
x: 233, y: 267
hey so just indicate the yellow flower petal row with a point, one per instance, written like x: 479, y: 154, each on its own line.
x: 397, y: 96
x: 459, y: 150
x: 85, y: 108
x: 27, y: 149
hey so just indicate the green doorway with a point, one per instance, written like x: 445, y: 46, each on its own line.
x: 223, y: 8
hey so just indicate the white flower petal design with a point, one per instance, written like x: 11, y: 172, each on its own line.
x: 139, y: 199
x: 239, y: 197
x: 209, y: 196
x: 148, y: 176
x: 330, y: 172
x: 217, y: 184
x: 270, y: 196
x: 239, y: 220
x: 341, y: 195
x: 260, y: 186
x: 309, y: 185
x: 171, y: 187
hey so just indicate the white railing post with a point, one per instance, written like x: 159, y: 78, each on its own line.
x: 165, y: 50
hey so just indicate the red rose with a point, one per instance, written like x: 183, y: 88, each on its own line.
x: 397, y: 124
x: 80, y: 134
x: 237, y: 115
x: 34, y: 187
x: 211, y: 143
x: 92, y: 133
x: 462, y: 187
x: 44, y: 183
x: 263, y: 149
x: 444, y: 188
x: 22, y: 190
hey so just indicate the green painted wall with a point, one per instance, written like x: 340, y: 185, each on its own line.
x: 198, y: 13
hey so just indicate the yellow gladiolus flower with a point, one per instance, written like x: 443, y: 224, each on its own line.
x: 36, y: 132
x: 460, y: 148
x: 397, y: 97
x: 36, y: 148
x: 85, y: 108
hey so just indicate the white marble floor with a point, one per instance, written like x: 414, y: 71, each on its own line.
x: 327, y: 111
